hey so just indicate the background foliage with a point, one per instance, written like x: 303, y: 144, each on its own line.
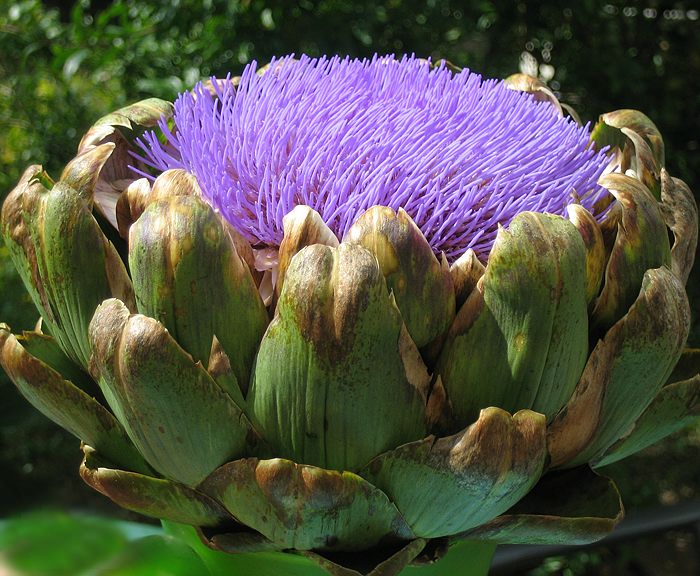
x: 62, y: 67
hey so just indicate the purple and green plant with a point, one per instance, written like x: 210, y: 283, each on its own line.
x: 349, y: 315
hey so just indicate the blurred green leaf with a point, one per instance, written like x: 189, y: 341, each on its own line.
x: 58, y: 544
x: 161, y: 555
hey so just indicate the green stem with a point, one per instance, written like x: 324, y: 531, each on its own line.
x: 467, y: 558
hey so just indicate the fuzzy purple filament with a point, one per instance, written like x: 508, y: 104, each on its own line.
x: 460, y: 154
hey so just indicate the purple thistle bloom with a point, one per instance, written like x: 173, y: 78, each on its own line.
x: 460, y: 154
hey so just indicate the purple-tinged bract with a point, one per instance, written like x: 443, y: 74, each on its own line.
x: 460, y: 154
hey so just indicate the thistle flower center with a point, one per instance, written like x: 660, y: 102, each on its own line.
x: 460, y: 154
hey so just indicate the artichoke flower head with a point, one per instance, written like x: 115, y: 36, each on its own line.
x: 358, y: 310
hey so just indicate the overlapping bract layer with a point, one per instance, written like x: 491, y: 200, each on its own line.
x: 342, y: 135
x: 384, y: 402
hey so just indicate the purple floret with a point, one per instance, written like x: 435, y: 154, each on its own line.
x: 460, y: 154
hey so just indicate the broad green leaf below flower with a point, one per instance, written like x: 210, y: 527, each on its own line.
x: 188, y: 275
x: 178, y: 417
x: 148, y: 495
x: 421, y: 283
x: 641, y: 243
x: 529, y: 312
x: 306, y: 507
x: 444, y: 486
x: 62, y: 254
x: 641, y: 348
x: 335, y: 362
x: 66, y: 404
x: 676, y: 406
x: 573, y: 506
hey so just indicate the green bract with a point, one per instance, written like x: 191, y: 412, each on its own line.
x: 367, y: 404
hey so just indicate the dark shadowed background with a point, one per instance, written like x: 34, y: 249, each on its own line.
x: 64, y: 65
